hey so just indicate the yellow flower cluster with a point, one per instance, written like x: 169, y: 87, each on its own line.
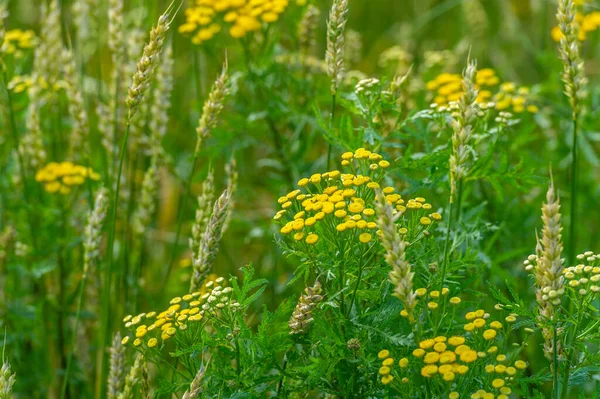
x: 585, y: 277
x: 447, y: 88
x: 242, y: 16
x: 432, y: 299
x: 64, y: 176
x: 17, y: 40
x: 21, y: 83
x: 386, y: 367
x: 448, y: 360
x: 340, y: 207
x: 183, y: 311
x: 585, y: 23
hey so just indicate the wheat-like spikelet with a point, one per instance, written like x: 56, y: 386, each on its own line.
x: 161, y: 102
x: 194, y: 390
x: 80, y: 129
x: 133, y: 377
x: 401, y: 275
x: 307, y: 28
x: 353, y: 48
x: 303, y: 313
x: 32, y: 145
x: 84, y: 18
x: 147, y: 200
x: 334, y: 55
x: 232, y: 183
x: 145, y: 383
x: 7, y: 380
x: 547, y: 267
x: 134, y: 46
x: 205, y: 203
x: 475, y: 18
x: 148, y: 62
x: 212, y: 107
x: 48, y: 53
x: 463, y: 125
x: 115, y: 30
x: 116, y: 371
x: 552, y: 246
x: 93, y: 230
x: 202, y: 260
x: 573, y: 74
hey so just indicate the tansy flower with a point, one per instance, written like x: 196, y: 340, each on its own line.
x: 63, y: 177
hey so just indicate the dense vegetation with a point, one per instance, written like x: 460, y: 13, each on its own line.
x: 299, y: 199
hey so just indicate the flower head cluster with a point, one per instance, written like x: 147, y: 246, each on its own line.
x: 340, y: 207
x: 447, y: 360
x: 183, y: 312
x: 64, y: 176
x: 205, y: 18
x: 585, y: 24
x: 447, y: 88
x: 433, y: 299
x: 585, y: 277
x: 17, y: 40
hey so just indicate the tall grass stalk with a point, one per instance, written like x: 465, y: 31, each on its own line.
x: 208, y: 120
x: 140, y: 83
x: 334, y: 55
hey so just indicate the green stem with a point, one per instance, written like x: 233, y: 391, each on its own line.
x: 570, y: 357
x: 109, y: 254
x: 341, y: 277
x: 75, y: 329
x: 186, y: 191
x: 555, y: 388
x: 331, y: 125
x: 574, y: 194
x: 445, y: 258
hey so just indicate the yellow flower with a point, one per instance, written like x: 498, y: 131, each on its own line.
x: 498, y: 383
x: 489, y: 334
x: 152, y: 342
x: 383, y: 354
x: 384, y: 370
x: 403, y: 362
x: 387, y: 379
x: 312, y: 238
x: 456, y: 341
x: 455, y: 300
x: 365, y: 238
x: 521, y: 365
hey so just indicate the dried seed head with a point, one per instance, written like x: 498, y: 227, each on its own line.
x: 147, y: 64
x: 205, y: 202
x: 232, y: 182
x: 194, y: 391
x: 334, y: 55
x: 48, y: 53
x: 203, y: 259
x: 80, y: 129
x: 93, y: 230
x: 401, y: 275
x: 116, y: 371
x: 212, y: 107
x: 159, y: 111
x: 147, y: 200
x: 463, y: 126
x: 133, y: 377
x: 303, y: 313
x: 353, y: 48
x: 7, y: 380
x: 573, y: 74
x: 307, y: 30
